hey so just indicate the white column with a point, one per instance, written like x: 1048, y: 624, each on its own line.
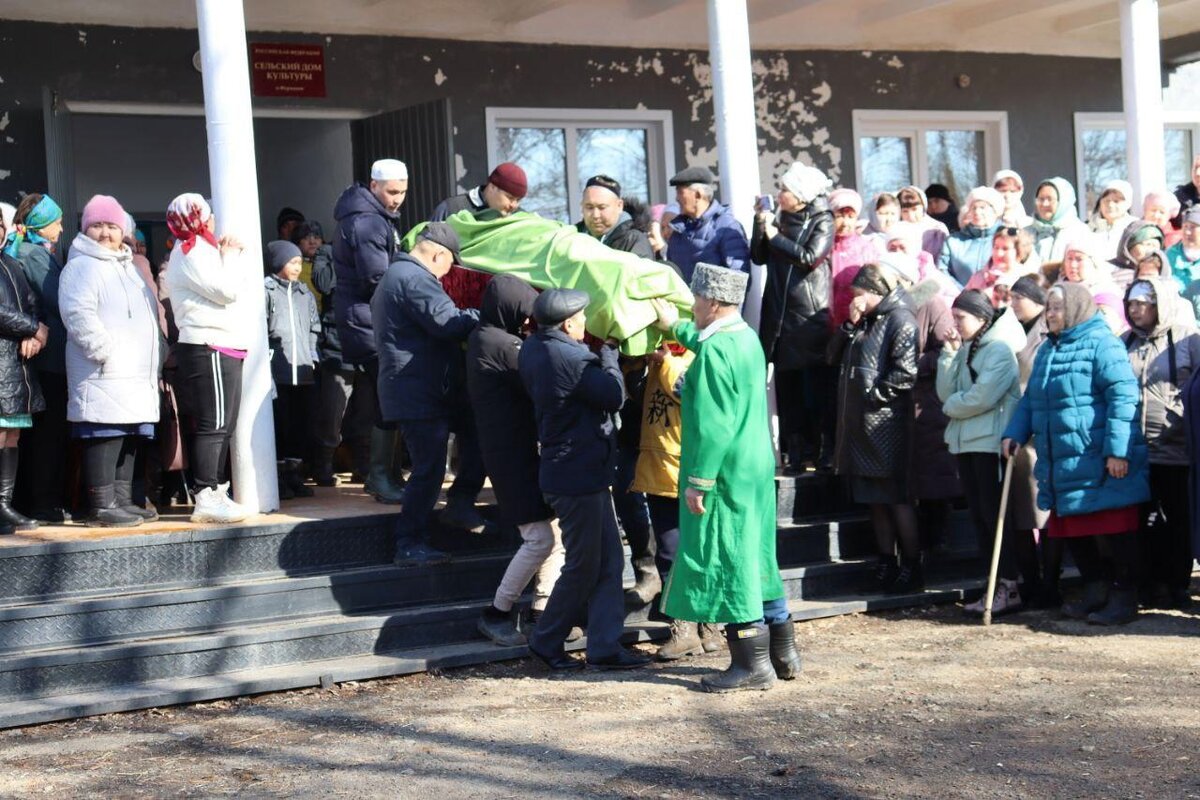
x: 234, y: 179
x: 737, y: 131
x: 1141, y: 89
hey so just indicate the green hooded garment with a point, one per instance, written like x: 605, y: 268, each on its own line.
x: 725, y: 567
x: 550, y: 255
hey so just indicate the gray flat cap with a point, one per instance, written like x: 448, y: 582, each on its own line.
x: 557, y: 305
x: 720, y: 283
x: 694, y: 175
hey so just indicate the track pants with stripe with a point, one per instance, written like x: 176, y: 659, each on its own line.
x: 208, y: 386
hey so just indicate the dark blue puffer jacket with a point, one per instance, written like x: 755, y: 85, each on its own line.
x: 1081, y: 407
x: 364, y: 244
x: 576, y: 396
x: 715, y: 237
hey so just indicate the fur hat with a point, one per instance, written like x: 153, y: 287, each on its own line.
x: 721, y: 284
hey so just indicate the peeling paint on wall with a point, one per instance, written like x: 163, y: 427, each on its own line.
x: 460, y: 170
x: 895, y: 63
x: 4, y: 120
x: 439, y: 77
x: 822, y: 92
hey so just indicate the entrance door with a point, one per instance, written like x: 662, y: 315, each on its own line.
x: 422, y: 137
x: 60, y: 165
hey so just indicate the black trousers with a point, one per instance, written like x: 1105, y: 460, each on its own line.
x: 982, y: 482
x: 590, y: 581
x: 1166, y: 547
x: 208, y: 386
x: 42, y: 479
x: 293, y: 421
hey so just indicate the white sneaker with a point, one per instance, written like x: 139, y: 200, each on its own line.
x: 227, y: 498
x: 211, y: 506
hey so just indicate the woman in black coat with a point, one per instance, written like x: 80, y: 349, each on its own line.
x: 508, y: 442
x: 879, y: 370
x: 22, y: 335
x: 795, y: 247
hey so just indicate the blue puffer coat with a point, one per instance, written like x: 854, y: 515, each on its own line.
x: 715, y: 237
x: 966, y: 252
x: 1081, y: 406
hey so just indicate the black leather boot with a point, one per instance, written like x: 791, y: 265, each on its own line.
x: 1121, y: 608
x: 323, y: 470
x: 104, y: 511
x: 909, y: 580
x: 9, y: 517
x: 295, y: 477
x: 123, y: 494
x: 750, y: 668
x: 784, y: 656
x: 1094, y: 598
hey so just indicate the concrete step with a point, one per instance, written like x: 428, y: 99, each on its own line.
x: 236, y: 677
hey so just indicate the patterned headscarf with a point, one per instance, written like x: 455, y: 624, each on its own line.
x: 44, y: 213
x: 187, y: 219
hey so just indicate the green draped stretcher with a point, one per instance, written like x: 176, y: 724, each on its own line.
x: 550, y: 255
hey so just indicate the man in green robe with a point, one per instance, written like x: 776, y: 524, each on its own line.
x: 725, y: 569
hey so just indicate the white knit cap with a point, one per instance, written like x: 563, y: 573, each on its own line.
x: 986, y: 194
x: 807, y: 183
x: 1005, y: 175
x: 389, y: 169
x: 1118, y: 185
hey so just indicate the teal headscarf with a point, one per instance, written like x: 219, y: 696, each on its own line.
x: 44, y: 213
x: 1065, y: 214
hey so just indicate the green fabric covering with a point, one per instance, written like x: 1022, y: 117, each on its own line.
x: 549, y: 254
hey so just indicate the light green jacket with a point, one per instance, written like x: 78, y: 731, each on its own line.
x: 980, y: 399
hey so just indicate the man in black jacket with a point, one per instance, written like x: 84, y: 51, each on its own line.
x: 418, y: 335
x: 502, y: 192
x: 576, y: 395
x: 1188, y: 194
x: 604, y: 217
x: 364, y: 244
x: 508, y: 441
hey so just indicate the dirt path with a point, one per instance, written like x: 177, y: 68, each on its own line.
x: 920, y: 704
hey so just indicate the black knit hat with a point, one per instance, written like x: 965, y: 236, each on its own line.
x: 975, y: 303
x: 1028, y: 287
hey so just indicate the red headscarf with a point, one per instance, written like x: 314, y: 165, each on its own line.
x: 187, y: 219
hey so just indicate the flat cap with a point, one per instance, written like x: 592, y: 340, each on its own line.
x: 441, y: 233
x: 557, y: 305
x: 694, y: 175
x: 721, y: 284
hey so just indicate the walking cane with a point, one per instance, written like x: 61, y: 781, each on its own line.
x: 991, y: 584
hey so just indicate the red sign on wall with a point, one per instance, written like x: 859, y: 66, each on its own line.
x: 287, y: 70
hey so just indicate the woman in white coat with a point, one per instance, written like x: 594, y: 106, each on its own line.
x: 113, y: 353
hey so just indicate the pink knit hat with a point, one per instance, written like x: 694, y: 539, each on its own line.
x: 104, y: 208
x: 845, y: 198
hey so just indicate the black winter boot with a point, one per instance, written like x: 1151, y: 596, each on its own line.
x: 750, y: 668
x: 10, y: 520
x: 784, y: 656
x: 123, y: 495
x: 1094, y: 598
x: 284, y: 480
x: 1121, y: 608
x: 105, y: 513
x: 909, y: 580
x: 323, y: 469
x: 295, y: 478
x: 886, y: 571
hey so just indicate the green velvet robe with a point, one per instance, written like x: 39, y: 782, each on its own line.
x: 725, y: 567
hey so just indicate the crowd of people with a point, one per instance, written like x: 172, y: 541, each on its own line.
x: 917, y: 351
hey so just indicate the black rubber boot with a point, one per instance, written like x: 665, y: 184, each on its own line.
x: 1121, y: 608
x: 9, y: 517
x: 284, y: 480
x: 784, y: 656
x: 123, y: 495
x: 647, y: 586
x: 750, y: 668
x: 105, y: 513
x: 379, y: 482
x: 1094, y: 598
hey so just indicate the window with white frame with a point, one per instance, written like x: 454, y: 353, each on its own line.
x: 560, y: 148
x: 960, y: 149
x: 1100, y: 152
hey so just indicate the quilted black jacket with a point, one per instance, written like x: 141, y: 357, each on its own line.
x: 19, y: 319
x: 879, y: 370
